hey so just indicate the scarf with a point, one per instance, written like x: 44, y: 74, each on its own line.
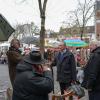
x: 14, y: 49
x: 38, y: 68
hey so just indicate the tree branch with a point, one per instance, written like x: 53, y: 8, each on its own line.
x: 89, y: 10
x: 40, y: 7
x: 77, y: 18
x: 89, y: 17
x: 44, y: 5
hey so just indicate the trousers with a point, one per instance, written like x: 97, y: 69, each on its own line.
x: 93, y: 95
x: 63, y: 87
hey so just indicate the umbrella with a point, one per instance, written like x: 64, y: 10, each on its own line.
x: 75, y: 43
x: 30, y: 40
x: 5, y: 29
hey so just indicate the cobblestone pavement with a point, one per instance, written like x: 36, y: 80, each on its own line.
x: 5, y: 82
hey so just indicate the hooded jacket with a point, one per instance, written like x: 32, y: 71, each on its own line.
x: 31, y: 85
x: 92, y: 71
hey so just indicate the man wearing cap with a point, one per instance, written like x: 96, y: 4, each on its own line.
x: 33, y: 79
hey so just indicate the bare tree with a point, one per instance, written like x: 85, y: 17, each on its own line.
x: 42, y: 9
x: 42, y: 31
x: 19, y: 31
x: 34, y: 29
x: 68, y: 23
x: 82, y: 14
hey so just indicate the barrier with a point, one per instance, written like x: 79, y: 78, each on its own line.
x: 9, y: 94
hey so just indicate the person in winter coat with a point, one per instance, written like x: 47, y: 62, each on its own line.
x: 33, y: 79
x: 66, y: 68
x: 14, y: 56
x: 92, y: 73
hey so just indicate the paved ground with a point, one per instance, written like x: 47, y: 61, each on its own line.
x: 56, y: 85
x: 5, y: 82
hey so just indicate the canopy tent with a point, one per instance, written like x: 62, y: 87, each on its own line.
x: 4, y: 44
x: 75, y: 43
x: 5, y: 29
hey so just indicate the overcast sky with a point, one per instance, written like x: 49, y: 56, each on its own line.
x: 16, y: 12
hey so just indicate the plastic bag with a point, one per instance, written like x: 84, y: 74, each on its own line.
x: 77, y: 90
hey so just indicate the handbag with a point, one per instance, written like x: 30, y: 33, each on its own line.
x: 77, y: 90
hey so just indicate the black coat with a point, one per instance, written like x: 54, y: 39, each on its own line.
x: 30, y: 85
x: 92, y: 71
x: 66, y: 67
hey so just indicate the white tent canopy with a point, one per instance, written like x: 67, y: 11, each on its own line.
x: 4, y: 44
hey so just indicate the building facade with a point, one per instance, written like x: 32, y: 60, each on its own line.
x: 97, y: 19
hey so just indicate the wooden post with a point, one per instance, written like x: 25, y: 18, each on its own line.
x: 9, y: 94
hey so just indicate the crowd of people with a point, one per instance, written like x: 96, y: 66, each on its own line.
x: 3, y: 58
x: 31, y: 76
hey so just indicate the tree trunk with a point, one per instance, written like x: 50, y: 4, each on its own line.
x: 82, y: 31
x: 81, y: 35
x: 42, y: 35
x: 42, y: 31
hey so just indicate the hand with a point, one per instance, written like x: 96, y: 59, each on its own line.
x: 46, y: 68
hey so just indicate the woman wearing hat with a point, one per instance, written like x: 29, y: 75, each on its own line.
x: 33, y: 80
